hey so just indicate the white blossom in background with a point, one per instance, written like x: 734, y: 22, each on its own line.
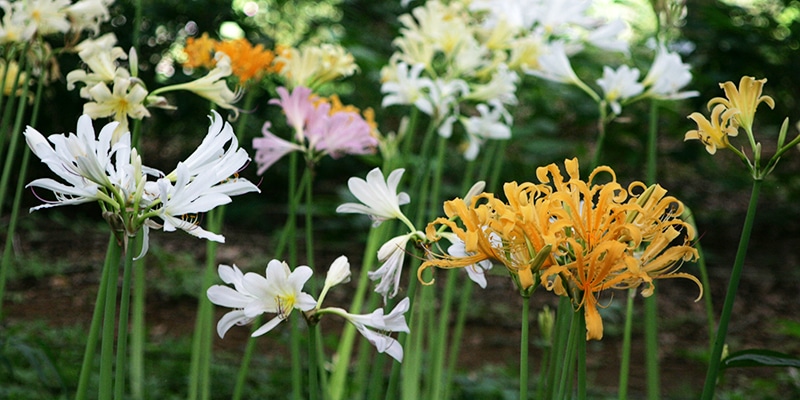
x: 392, y: 254
x: 554, y: 65
x: 494, y: 123
x: 408, y: 88
x: 619, y: 85
x: 667, y: 76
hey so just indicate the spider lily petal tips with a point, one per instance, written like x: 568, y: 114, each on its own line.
x: 745, y: 99
x: 714, y: 132
x: 379, y: 198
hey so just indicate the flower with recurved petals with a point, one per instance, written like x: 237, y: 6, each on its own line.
x: 125, y: 101
x: 667, y: 76
x: 279, y: 292
x: 376, y: 325
x: 745, y: 99
x: 714, y: 133
x: 379, y: 197
x: 237, y: 298
x: 391, y: 254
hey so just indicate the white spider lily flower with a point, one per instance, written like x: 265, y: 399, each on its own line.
x: 126, y: 100
x: 212, y: 86
x: 89, y: 14
x: 48, y: 16
x: 502, y: 87
x: 476, y: 272
x: 212, y: 152
x: 79, y: 156
x: 237, y: 298
x: 607, y: 36
x: 14, y: 28
x: 619, y: 85
x: 408, y: 88
x: 375, y: 326
x: 667, y: 76
x: 279, y: 293
x: 554, y: 65
x: 491, y: 124
x: 100, y: 55
x: 379, y: 198
x: 391, y: 254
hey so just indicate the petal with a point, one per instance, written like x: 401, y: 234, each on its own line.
x: 226, y: 297
x: 235, y: 317
x: 267, y: 327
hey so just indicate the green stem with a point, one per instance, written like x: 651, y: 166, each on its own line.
x: 296, y: 368
x: 651, y: 345
x: 15, y: 135
x: 560, y: 346
x: 112, y: 260
x: 624, y: 367
x: 601, y: 136
x: 523, y: 349
x: 17, y: 203
x: 345, y: 349
x: 122, y: 330
x: 730, y: 296
x: 580, y: 344
x: 688, y: 216
x: 138, y: 329
x: 313, y: 369
x: 109, y: 326
x: 651, y: 303
x: 308, y: 178
x: 569, y: 355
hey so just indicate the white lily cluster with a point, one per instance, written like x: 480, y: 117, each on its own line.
x: 380, y: 200
x: 280, y: 291
x: 467, y: 55
x: 114, y: 91
x: 133, y: 196
x: 23, y: 20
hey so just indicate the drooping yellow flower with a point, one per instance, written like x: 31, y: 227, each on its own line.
x: 745, y: 99
x: 714, y: 133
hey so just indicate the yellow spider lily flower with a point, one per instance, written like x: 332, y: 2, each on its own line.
x: 745, y: 99
x: 714, y: 133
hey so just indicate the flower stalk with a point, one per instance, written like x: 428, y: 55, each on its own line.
x: 730, y: 296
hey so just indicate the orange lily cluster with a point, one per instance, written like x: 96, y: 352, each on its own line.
x: 248, y: 62
x: 576, y: 238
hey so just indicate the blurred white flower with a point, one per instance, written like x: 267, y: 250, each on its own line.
x: 408, y: 88
x: 490, y: 124
x: 212, y: 86
x: 554, y: 65
x: 667, y: 76
x: 89, y: 14
x: 619, y: 85
x: 125, y: 101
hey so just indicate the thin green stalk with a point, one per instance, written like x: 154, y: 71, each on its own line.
x: 377, y: 385
x: 651, y: 302
x: 200, y: 363
x: 313, y: 368
x: 113, y: 253
x: 440, y: 342
x: 624, y: 367
x: 122, y: 330
x: 308, y: 178
x: 17, y: 203
x: 338, y: 377
x: 9, y: 107
x: 15, y: 135
x: 523, y: 348
x: 108, y: 336
x: 580, y: 345
x: 297, y: 370
x: 704, y: 280
x: 560, y: 345
x: 455, y: 343
x: 138, y: 329
x: 601, y: 136
x: 730, y: 296
x: 569, y: 355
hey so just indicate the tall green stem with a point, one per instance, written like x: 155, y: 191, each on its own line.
x: 523, y: 348
x: 122, y: 329
x: 601, y: 135
x: 111, y: 262
x: 651, y: 302
x: 730, y: 296
x: 109, y: 326
x: 313, y: 368
x: 624, y: 366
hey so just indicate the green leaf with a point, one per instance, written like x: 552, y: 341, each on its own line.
x: 760, y: 358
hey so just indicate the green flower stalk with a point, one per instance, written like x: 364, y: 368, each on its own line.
x: 736, y: 110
